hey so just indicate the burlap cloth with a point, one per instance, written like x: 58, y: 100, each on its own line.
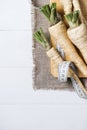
x: 42, y: 78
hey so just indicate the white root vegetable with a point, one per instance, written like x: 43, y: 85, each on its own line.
x: 78, y: 36
x: 59, y: 33
x: 67, y: 5
x: 77, y: 33
x: 77, y: 6
x: 63, y: 6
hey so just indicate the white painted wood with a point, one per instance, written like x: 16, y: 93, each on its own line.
x: 15, y: 49
x: 21, y: 107
x: 14, y: 15
x: 42, y: 117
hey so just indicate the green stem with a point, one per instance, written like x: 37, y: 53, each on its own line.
x: 40, y: 37
x: 46, y: 11
x: 73, y: 19
x: 53, y: 15
x: 50, y: 13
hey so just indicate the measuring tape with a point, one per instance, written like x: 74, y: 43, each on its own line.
x: 63, y: 70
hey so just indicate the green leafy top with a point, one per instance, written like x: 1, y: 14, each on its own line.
x: 73, y: 19
x: 51, y: 14
x: 40, y: 37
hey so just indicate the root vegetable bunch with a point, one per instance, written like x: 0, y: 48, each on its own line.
x: 58, y: 31
x: 53, y: 54
x: 77, y: 32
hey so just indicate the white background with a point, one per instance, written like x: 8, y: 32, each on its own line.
x: 22, y: 108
